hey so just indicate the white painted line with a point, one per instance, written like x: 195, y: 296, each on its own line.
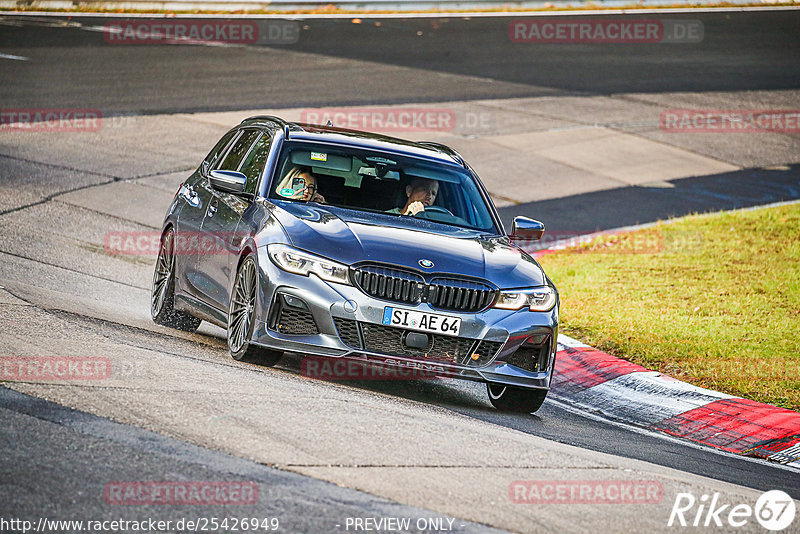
x: 645, y: 397
x: 11, y: 56
x: 790, y: 455
x: 562, y: 403
x: 567, y: 341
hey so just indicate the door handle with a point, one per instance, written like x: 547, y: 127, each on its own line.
x: 212, y: 209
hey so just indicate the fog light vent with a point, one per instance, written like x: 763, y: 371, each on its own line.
x: 291, y: 315
x: 532, y: 356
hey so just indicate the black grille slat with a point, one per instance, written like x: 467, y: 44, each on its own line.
x: 398, y: 289
x: 388, y: 340
x: 458, y: 298
x: 389, y: 287
x: 373, y: 284
x: 382, y: 285
x: 398, y: 285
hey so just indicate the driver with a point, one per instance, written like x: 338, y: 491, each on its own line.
x: 421, y: 192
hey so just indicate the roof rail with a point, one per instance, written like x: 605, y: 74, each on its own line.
x: 266, y: 117
x: 446, y: 149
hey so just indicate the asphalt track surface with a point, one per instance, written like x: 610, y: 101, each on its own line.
x: 56, y: 460
x: 460, y: 59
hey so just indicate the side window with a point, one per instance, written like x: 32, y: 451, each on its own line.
x: 236, y: 154
x: 253, y: 164
x: 219, y: 147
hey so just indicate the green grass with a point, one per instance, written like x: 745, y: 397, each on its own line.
x: 713, y: 300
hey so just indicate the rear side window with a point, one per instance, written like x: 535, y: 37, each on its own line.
x: 218, y: 148
x: 237, y: 152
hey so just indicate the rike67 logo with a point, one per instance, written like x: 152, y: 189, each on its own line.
x: 774, y: 511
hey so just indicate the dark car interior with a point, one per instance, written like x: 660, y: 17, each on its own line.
x: 365, y: 181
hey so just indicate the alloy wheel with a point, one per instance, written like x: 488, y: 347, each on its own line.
x: 243, y: 305
x: 165, y: 266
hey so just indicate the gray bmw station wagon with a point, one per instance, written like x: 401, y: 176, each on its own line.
x: 336, y: 243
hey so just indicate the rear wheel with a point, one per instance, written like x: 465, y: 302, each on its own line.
x: 162, y: 298
x: 242, y: 318
x: 511, y: 399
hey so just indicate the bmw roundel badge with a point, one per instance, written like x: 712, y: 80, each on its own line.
x: 426, y: 263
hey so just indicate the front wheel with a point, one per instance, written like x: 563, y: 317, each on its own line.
x: 162, y: 297
x: 511, y: 399
x: 242, y: 318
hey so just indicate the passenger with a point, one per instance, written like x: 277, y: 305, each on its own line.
x: 300, y: 184
x: 421, y: 192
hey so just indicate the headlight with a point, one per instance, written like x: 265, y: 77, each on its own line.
x: 296, y: 261
x: 537, y: 299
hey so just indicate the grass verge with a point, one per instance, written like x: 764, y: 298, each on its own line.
x: 713, y: 300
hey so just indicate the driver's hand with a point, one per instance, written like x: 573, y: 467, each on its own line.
x: 318, y: 198
x: 414, y: 208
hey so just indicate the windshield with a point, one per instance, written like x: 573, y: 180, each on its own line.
x: 368, y: 180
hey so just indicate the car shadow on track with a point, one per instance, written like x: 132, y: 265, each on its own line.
x: 460, y: 396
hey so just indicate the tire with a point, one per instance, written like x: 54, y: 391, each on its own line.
x: 162, y: 297
x: 511, y: 399
x: 242, y: 318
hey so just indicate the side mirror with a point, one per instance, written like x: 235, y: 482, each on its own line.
x: 227, y: 181
x: 528, y: 229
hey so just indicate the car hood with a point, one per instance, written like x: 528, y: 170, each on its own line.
x: 350, y: 237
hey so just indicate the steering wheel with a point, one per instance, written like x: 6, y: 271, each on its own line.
x: 436, y: 209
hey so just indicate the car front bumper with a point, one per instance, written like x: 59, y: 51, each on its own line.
x: 331, y: 303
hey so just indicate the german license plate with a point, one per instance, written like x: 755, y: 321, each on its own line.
x: 421, y: 321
